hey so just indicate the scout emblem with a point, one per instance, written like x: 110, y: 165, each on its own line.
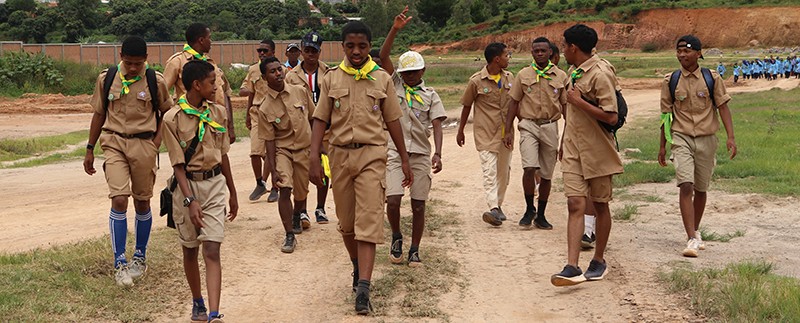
x: 110, y: 96
x: 183, y: 144
x: 416, y: 113
x: 529, y: 89
x: 681, y: 97
x: 141, y: 95
x: 277, y: 120
x: 701, y: 94
x: 337, y: 104
x: 375, y: 107
x: 485, y: 90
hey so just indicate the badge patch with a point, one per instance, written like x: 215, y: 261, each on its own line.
x: 485, y: 90
x: 141, y: 95
x: 681, y: 97
x: 336, y: 104
x: 529, y: 90
x: 701, y: 94
x: 183, y: 144
x: 110, y: 96
x: 277, y: 120
x: 375, y: 107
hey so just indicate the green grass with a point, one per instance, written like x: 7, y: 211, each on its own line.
x: 626, y: 213
x: 766, y: 131
x: 746, y: 291
x: 13, y: 149
x: 75, y: 283
x: 721, y: 237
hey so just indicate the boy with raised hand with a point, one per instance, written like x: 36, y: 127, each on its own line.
x: 537, y: 99
x: 257, y: 153
x: 689, y: 124
x: 487, y: 91
x: 284, y: 117
x: 422, y: 109
x: 358, y: 100
x: 309, y: 74
x: 127, y: 126
x: 195, y: 124
x: 198, y: 44
x: 588, y: 158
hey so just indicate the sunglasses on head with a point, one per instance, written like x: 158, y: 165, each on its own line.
x: 262, y: 50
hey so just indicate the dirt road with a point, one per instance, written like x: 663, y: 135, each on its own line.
x: 507, y: 269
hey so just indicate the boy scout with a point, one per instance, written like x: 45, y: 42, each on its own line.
x: 537, y: 98
x: 309, y: 75
x: 196, y: 123
x: 198, y: 43
x: 284, y: 117
x: 127, y: 128
x: 265, y: 49
x: 358, y: 100
x: 588, y: 157
x: 292, y: 55
x: 690, y: 124
x: 422, y: 109
x: 487, y: 91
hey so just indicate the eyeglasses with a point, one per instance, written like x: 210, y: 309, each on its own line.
x: 263, y: 50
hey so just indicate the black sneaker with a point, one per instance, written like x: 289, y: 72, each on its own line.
x: 413, y: 259
x: 258, y: 192
x: 568, y: 276
x: 396, y: 252
x: 322, y: 218
x: 273, y: 195
x: 289, y: 244
x: 363, y: 306
x: 541, y: 223
x: 297, y: 228
x: 305, y: 221
x: 587, y: 242
x: 501, y: 215
x: 526, y: 220
x: 492, y: 217
x: 596, y: 271
x: 355, y: 280
x: 199, y: 312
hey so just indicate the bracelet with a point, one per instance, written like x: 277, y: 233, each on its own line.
x: 89, y: 147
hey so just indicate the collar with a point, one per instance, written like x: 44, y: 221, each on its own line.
x: 550, y: 71
x: 421, y: 86
x: 123, y: 70
x: 190, y: 57
x: 589, y: 63
x: 274, y: 94
x: 485, y: 73
x: 697, y: 73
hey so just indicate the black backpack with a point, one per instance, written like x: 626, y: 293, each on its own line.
x: 622, y: 114
x: 152, y: 85
x: 673, y: 83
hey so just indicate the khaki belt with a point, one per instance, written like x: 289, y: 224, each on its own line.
x: 541, y: 122
x: 141, y: 135
x: 204, y: 174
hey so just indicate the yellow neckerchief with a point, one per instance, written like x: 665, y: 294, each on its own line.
x: 127, y: 83
x: 496, y: 79
x: 363, y: 72
x: 203, y: 116
x: 576, y: 74
x: 411, y: 92
x: 190, y: 50
x: 542, y: 72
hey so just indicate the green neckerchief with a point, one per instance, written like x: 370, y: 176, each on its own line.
x: 363, y: 72
x: 543, y: 72
x: 666, y: 123
x: 127, y: 83
x: 203, y: 116
x: 190, y: 50
x: 576, y: 74
x: 411, y: 92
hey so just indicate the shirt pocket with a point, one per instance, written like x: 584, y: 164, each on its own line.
x: 556, y: 88
x: 278, y: 119
x: 375, y: 98
x: 143, y: 101
x: 681, y: 101
x: 341, y: 100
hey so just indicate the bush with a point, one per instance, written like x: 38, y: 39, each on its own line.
x: 649, y: 47
x: 235, y: 77
x: 25, y: 69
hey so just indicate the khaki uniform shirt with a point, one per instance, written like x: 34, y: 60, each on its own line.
x: 131, y: 113
x: 542, y: 99
x: 172, y: 74
x: 297, y: 76
x: 253, y: 75
x: 416, y: 120
x: 589, y: 149
x: 285, y: 117
x: 693, y: 113
x: 490, y: 104
x: 357, y: 110
x: 181, y: 128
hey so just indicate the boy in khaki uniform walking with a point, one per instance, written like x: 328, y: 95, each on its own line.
x: 128, y: 130
x: 689, y: 124
x: 588, y: 154
x: 284, y: 117
x: 199, y: 206
x: 358, y: 100
x: 198, y: 43
x: 487, y: 91
x: 538, y: 98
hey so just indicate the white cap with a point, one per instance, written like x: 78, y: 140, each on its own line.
x: 410, y: 61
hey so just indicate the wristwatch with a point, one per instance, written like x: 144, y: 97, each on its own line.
x: 89, y: 147
x: 188, y: 200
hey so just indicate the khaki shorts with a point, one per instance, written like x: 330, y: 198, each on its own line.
x: 359, y: 185
x: 258, y: 147
x: 694, y: 159
x: 598, y: 189
x: 211, y: 195
x: 420, y: 167
x: 292, y: 167
x: 538, y: 146
x: 130, y: 166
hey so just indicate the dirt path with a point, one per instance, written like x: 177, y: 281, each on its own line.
x: 507, y: 269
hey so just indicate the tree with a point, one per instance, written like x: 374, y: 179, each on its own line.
x: 21, y: 5
x: 374, y: 15
x: 461, y: 13
x: 437, y: 12
x: 78, y: 16
x: 479, y: 12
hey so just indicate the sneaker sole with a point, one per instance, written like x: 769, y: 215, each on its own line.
x: 415, y: 264
x: 587, y: 245
x: 322, y: 222
x: 560, y: 281
x: 691, y: 253
x: 488, y: 218
x: 599, y: 277
x: 396, y: 261
x: 526, y: 226
x: 140, y: 275
x: 287, y: 250
x: 305, y: 224
x: 702, y: 247
x: 538, y: 226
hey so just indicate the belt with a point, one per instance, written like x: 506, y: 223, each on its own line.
x: 202, y: 175
x: 541, y: 122
x: 141, y: 135
x: 354, y: 145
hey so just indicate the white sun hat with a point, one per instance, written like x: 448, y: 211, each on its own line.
x: 411, y: 61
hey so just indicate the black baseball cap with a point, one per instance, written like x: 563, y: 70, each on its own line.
x: 691, y: 41
x: 312, y: 39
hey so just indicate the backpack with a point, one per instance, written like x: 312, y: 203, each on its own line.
x: 707, y: 77
x: 622, y: 114
x: 152, y: 85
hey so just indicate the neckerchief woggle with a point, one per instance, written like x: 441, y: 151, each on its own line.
x: 542, y: 72
x: 127, y: 83
x: 363, y: 72
x: 203, y: 116
x: 190, y: 50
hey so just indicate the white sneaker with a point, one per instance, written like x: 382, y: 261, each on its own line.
x: 123, y: 276
x: 692, y: 247
x: 701, y: 244
x: 137, y: 268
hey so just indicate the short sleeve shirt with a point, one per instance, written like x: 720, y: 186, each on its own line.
x: 538, y: 97
x: 180, y: 129
x: 693, y: 112
x: 417, y: 118
x: 253, y: 75
x: 285, y: 117
x: 131, y: 113
x: 489, y: 100
x: 299, y: 76
x: 174, y: 67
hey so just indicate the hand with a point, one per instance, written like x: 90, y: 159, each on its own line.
x: 662, y: 157
x: 508, y: 140
x: 248, y: 123
x: 315, y: 174
x: 232, y: 136
x: 157, y: 141
x: 234, y: 204
x: 574, y: 95
x: 732, y: 147
x: 409, y: 176
x: 195, y: 215
x: 401, y: 20
x: 560, y: 154
x: 276, y: 178
x: 88, y: 163
x: 436, y: 163
x: 460, y: 138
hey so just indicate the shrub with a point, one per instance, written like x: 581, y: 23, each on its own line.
x: 649, y: 47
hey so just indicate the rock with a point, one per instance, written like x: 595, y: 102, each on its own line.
x: 713, y: 51
x: 754, y: 43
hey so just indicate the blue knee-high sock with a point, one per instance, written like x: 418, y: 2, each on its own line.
x: 143, y: 224
x: 118, y: 225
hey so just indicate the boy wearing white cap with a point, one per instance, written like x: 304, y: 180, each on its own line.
x: 422, y: 108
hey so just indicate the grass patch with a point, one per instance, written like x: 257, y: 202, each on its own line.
x: 741, y: 292
x: 653, y: 198
x: 626, y: 213
x: 721, y: 237
x: 641, y: 172
x: 75, y: 283
x: 13, y: 149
